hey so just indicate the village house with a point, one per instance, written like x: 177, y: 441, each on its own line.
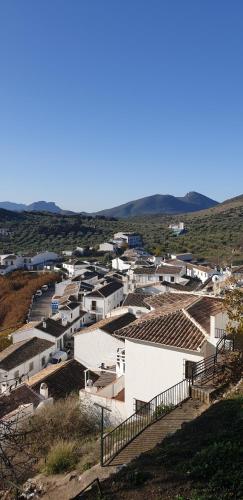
x: 97, y: 345
x: 141, y: 276
x: 200, y: 271
x: 130, y: 239
x: 177, y: 228
x: 23, y: 359
x: 107, y: 246
x: 101, y: 301
x: 73, y: 266
x: 48, y: 329
x: 9, y: 263
x: 121, y: 263
x: 39, y: 260
x: 162, y: 347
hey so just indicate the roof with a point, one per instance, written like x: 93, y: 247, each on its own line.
x: 106, y: 290
x: 19, y: 396
x: 174, y: 329
x: 52, y: 327
x: 203, y: 309
x: 158, y: 270
x: 170, y: 301
x: 136, y: 299
x: 70, y: 305
x: 110, y: 325
x: 69, y: 377
x: 191, y: 285
x: 20, y: 352
x: 105, y: 379
x: 200, y: 267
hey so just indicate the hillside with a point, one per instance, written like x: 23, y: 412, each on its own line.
x: 160, y: 204
x: 202, y: 461
x: 214, y: 233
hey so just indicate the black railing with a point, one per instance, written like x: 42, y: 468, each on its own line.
x: 159, y: 406
x: 156, y: 408
x: 219, y: 333
x: 96, y: 482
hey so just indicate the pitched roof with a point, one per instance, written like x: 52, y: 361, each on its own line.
x: 163, y: 269
x: 68, y: 378
x: 110, y: 325
x: 20, y: 352
x: 170, y: 301
x: 174, y: 329
x: 136, y: 299
x: 106, y: 290
x: 104, y: 379
x: 192, y: 285
x: 52, y: 327
x: 19, y: 396
x: 201, y: 310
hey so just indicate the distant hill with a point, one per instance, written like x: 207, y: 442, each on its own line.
x: 37, y: 206
x: 161, y: 204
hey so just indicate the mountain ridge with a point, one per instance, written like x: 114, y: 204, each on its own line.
x: 160, y: 204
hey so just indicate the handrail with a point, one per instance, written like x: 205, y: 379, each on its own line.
x: 159, y: 406
x: 148, y: 413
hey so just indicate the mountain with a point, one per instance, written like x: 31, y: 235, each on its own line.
x: 37, y: 206
x: 161, y: 204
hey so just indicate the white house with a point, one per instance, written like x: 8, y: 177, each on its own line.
x: 97, y: 346
x: 129, y: 238
x: 74, y: 265
x: 10, y: 262
x: 121, y: 263
x: 107, y: 246
x: 161, y: 348
x: 104, y: 299
x: 39, y: 260
x: 141, y: 276
x: 48, y: 329
x: 23, y: 359
x: 199, y: 271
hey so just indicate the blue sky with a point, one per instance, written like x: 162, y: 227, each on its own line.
x: 105, y: 101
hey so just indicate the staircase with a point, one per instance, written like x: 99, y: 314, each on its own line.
x: 156, y: 432
x: 165, y: 413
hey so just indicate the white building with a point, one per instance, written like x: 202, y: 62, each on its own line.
x: 107, y: 246
x: 74, y: 265
x: 103, y: 300
x: 199, y: 271
x: 10, y: 262
x: 129, y: 238
x: 121, y: 264
x: 161, y: 349
x: 23, y: 359
x: 142, y: 276
x: 48, y: 329
x: 97, y: 345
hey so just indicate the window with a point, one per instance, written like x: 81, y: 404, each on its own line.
x: 43, y: 361
x: 93, y: 305
x: 161, y: 278
x: 31, y: 366
x: 16, y: 374
x: 172, y: 279
x: 141, y: 407
x: 188, y: 368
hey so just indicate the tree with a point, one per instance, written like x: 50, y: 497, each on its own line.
x: 234, y: 306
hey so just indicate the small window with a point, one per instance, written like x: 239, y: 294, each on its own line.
x: 141, y: 407
x: 172, y: 279
x: 188, y: 368
x: 31, y: 366
x: 43, y: 361
x: 93, y: 305
x: 16, y: 374
x: 161, y: 278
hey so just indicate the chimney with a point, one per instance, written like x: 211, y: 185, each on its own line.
x: 64, y: 321
x: 44, y: 324
x: 44, y: 390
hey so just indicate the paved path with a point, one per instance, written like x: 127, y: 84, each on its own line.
x: 42, y: 306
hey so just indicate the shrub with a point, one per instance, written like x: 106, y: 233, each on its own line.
x: 62, y: 457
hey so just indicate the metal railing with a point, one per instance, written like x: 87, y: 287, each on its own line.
x: 96, y: 482
x: 159, y: 406
x: 219, y: 333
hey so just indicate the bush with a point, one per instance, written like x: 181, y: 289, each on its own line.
x: 62, y: 457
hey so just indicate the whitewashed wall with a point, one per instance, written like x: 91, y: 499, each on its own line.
x: 96, y: 347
